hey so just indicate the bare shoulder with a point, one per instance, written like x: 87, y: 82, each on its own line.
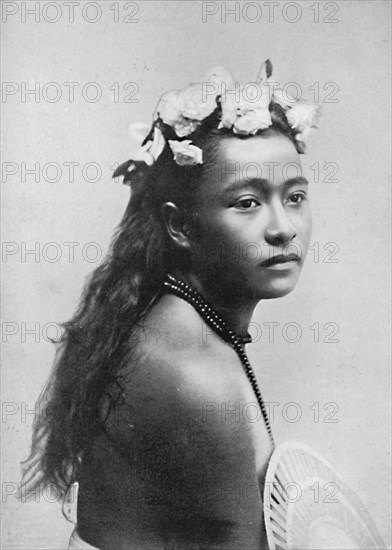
x: 183, y: 379
x: 185, y: 386
x: 178, y: 362
x: 186, y: 393
x: 175, y: 423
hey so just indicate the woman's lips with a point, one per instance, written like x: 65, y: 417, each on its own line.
x: 281, y: 261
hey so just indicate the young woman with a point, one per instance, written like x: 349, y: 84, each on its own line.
x: 153, y: 367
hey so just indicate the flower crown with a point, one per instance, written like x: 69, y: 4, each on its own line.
x: 244, y: 110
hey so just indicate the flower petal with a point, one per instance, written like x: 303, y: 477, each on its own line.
x: 185, y: 153
x: 158, y: 143
x: 138, y: 132
x: 218, y: 75
x: 197, y: 103
x: 169, y: 107
x: 252, y: 122
x: 265, y: 71
x: 303, y: 114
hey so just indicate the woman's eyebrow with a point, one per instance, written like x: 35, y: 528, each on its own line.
x: 298, y: 180
x: 263, y: 184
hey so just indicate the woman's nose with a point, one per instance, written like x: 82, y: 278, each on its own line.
x: 279, y: 231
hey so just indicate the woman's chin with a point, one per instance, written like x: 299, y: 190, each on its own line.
x: 276, y: 291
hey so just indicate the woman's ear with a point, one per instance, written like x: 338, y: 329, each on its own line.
x: 178, y: 224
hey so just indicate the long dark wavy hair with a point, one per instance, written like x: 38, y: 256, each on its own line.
x: 98, y: 338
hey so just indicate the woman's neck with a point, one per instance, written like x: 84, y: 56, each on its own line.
x: 236, y: 310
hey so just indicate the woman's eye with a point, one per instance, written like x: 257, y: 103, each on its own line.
x: 297, y: 198
x: 246, y: 204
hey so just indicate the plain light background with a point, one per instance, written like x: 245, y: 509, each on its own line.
x: 167, y: 48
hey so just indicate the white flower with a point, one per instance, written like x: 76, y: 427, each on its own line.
x: 247, y: 112
x: 184, y: 126
x: 252, y: 122
x: 186, y: 154
x: 217, y: 81
x: 230, y: 111
x: 303, y: 114
x: 219, y: 75
x: 196, y: 103
x: 254, y: 96
x: 150, y: 151
x: 169, y: 107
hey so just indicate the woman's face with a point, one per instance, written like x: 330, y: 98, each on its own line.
x: 253, y: 219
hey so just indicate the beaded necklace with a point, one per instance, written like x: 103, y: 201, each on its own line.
x: 215, y: 321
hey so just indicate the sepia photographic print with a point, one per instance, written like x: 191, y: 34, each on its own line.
x: 196, y: 275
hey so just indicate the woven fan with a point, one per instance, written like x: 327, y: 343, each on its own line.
x: 308, y: 506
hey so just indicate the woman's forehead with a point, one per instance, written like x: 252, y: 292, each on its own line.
x: 271, y: 158
x: 272, y: 148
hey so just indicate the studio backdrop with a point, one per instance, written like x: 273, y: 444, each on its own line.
x: 75, y: 74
